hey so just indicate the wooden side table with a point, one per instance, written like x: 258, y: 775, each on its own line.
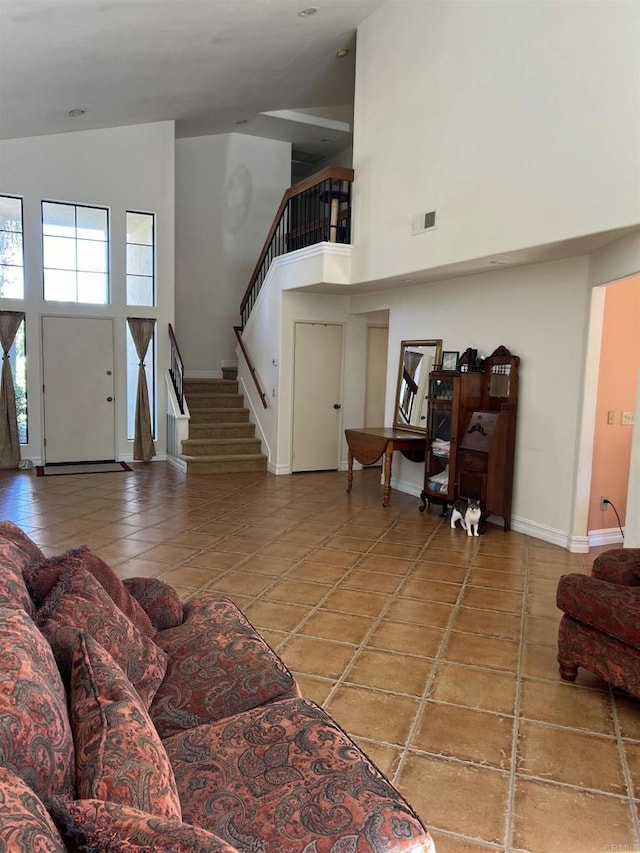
x: 368, y: 445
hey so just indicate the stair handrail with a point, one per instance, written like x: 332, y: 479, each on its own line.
x: 252, y: 370
x: 176, y: 369
x: 334, y: 227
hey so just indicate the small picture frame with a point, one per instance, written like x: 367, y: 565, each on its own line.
x: 450, y: 361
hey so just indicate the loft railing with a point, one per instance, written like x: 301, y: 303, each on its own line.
x: 252, y: 369
x: 312, y: 211
x: 176, y: 369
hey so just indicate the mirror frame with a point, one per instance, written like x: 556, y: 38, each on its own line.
x: 436, y: 343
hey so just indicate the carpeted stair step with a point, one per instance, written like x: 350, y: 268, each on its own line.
x: 210, y: 386
x: 222, y: 430
x: 214, y: 401
x: 224, y: 464
x: 221, y: 446
x: 224, y: 416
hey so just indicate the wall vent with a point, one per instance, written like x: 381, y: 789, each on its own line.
x: 423, y: 221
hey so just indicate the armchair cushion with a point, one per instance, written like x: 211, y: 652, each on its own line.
x: 119, y: 755
x: 43, y: 576
x: 101, y: 825
x: 218, y: 665
x: 159, y: 601
x: 79, y: 603
x: 35, y: 735
x: 25, y: 825
x: 17, y: 552
x: 619, y: 565
x: 609, y: 607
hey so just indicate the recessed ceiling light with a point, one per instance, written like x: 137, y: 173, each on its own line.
x: 243, y: 121
x: 498, y: 263
x: 77, y: 112
x: 342, y: 53
x: 306, y: 13
x: 325, y: 140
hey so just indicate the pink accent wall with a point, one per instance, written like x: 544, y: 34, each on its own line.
x: 617, y: 382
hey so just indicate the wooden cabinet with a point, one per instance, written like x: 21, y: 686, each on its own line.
x: 470, y: 441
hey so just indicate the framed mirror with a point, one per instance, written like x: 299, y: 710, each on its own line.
x: 417, y: 359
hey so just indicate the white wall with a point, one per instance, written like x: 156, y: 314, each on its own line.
x: 124, y: 168
x: 540, y: 313
x: 228, y: 188
x: 518, y: 121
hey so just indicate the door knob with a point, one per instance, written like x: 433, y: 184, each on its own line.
x: 109, y: 399
x: 337, y: 406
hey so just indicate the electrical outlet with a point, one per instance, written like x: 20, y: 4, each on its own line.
x: 611, y: 417
x: 627, y: 418
x: 603, y: 503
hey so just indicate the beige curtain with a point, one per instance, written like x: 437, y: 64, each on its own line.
x: 143, y: 447
x: 9, y: 441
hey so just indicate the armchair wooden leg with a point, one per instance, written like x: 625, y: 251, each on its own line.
x: 568, y: 671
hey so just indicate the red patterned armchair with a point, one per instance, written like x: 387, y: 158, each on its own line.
x: 600, y: 628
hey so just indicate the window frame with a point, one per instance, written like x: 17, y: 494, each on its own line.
x: 20, y: 199
x: 153, y: 276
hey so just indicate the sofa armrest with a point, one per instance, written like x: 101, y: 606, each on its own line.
x: 160, y: 601
x: 620, y: 565
x: 607, y: 607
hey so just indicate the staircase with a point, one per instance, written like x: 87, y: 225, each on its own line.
x: 221, y: 439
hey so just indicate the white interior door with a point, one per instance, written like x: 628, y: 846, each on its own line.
x: 317, y: 388
x: 376, y: 379
x: 79, y: 411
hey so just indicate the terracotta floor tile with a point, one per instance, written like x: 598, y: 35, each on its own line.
x: 296, y: 592
x: 372, y: 582
x: 284, y: 550
x: 372, y: 714
x: 344, y: 627
x: 388, y: 565
x: 317, y: 572
x: 499, y: 563
x: 215, y: 560
x: 542, y: 630
x: 456, y: 797
x: 502, y: 625
x: 628, y: 710
x: 241, y: 583
x: 576, y: 821
x: 439, y: 572
x: 497, y: 600
x: 187, y: 576
x: 348, y: 543
x: 540, y: 661
x: 566, y: 704
x: 430, y: 590
x: 484, y: 689
x: 575, y: 758
x: 403, y: 637
x: 496, y: 580
x: 445, y: 557
x: 432, y: 613
x: 471, y: 735
x: 393, y: 549
x: 272, y: 566
x: 390, y: 671
x: 457, y: 844
x: 482, y: 651
x: 314, y: 688
x: 275, y: 615
x: 311, y: 656
x: 353, y: 601
x: 329, y: 557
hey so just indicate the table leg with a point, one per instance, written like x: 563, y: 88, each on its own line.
x: 386, y: 494
x: 350, y: 472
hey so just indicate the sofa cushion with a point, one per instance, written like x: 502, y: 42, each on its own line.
x: 78, y: 602
x: 609, y: 607
x: 17, y: 552
x: 35, y: 735
x: 25, y: 825
x: 618, y: 565
x: 119, y: 755
x: 159, y: 601
x: 43, y: 576
x: 97, y: 825
x: 218, y: 666
x: 286, y: 777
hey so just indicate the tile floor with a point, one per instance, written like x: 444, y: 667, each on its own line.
x: 434, y: 650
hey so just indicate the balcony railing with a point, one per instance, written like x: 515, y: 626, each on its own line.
x: 315, y: 210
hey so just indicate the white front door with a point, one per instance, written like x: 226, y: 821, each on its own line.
x: 317, y: 403
x: 79, y: 410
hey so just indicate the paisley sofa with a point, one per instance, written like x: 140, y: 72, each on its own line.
x: 131, y: 722
x: 600, y: 626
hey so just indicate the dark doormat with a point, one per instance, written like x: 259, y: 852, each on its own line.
x: 81, y: 468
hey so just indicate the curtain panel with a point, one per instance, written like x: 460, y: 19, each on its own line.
x: 9, y: 439
x: 143, y: 447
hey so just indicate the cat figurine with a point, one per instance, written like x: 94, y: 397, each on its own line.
x: 469, y: 513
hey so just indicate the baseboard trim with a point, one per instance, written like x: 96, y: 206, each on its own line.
x: 180, y: 464
x: 606, y: 536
